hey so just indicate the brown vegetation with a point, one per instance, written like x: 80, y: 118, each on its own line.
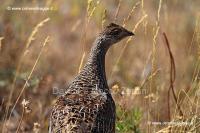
x: 41, y: 50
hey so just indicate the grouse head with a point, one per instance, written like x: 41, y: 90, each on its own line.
x: 113, y: 33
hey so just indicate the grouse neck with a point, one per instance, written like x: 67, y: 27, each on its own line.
x: 96, y: 61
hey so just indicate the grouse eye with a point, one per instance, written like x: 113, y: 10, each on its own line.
x: 116, y: 31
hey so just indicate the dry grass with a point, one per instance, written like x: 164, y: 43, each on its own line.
x: 154, y: 78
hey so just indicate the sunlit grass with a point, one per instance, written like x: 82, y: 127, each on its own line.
x: 141, y: 62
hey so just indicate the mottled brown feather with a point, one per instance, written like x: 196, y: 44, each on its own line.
x: 87, y: 105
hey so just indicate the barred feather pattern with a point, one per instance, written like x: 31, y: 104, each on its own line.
x: 87, y: 105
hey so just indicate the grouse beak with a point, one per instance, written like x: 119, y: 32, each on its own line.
x: 129, y: 33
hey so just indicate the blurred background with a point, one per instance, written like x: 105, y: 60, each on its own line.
x: 43, y: 45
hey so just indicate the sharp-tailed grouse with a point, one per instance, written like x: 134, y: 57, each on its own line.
x: 87, y: 105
